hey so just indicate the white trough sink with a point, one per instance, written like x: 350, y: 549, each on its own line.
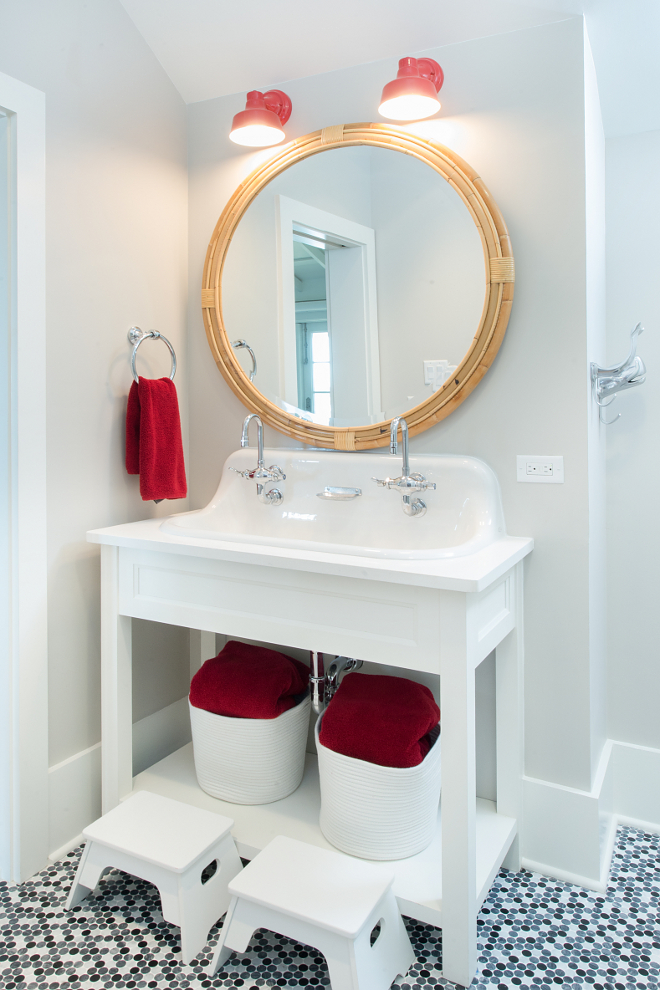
x: 464, y: 513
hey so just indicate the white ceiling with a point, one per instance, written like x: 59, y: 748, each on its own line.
x: 211, y: 48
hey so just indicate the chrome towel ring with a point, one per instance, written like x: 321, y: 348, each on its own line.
x: 244, y: 343
x: 136, y: 336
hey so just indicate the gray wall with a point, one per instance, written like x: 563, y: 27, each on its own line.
x: 633, y: 471
x: 521, y: 124
x: 116, y: 256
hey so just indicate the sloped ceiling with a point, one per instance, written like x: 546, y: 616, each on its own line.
x: 211, y: 48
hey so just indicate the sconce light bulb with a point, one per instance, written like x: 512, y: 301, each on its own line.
x: 413, y: 94
x: 411, y: 106
x: 256, y: 135
x: 260, y: 124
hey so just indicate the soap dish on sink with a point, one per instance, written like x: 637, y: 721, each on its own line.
x: 339, y: 494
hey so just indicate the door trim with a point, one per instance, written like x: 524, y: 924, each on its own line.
x: 23, y: 655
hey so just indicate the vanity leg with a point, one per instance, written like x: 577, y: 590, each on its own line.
x: 459, y: 896
x: 509, y: 707
x: 116, y: 687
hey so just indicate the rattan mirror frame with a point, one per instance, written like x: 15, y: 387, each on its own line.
x: 499, y: 269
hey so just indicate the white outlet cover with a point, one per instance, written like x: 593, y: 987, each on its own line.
x: 540, y: 462
x: 437, y: 372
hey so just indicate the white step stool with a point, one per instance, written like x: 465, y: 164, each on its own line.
x: 169, y: 844
x: 324, y: 899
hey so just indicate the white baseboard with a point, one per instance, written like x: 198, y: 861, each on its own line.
x: 569, y: 834
x: 75, y: 783
x: 556, y: 873
x: 57, y: 854
x: 562, y: 833
x: 636, y: 782
x: 74, y: 788
x: 160, y: 734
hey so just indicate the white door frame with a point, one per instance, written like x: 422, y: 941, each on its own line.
x: 23, y: 645
x: 290, y: 212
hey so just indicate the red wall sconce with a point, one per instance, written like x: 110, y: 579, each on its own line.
x: 260, y: 124
x: 413, y: 94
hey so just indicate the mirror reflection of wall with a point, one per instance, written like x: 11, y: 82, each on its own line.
x: 357, y: 276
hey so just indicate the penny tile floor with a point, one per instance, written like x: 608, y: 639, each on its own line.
x: 533, y: 932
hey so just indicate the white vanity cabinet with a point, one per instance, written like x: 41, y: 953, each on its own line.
x: 442, y: 616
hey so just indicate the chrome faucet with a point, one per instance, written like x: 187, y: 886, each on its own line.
x: 261, y: 474
x: 406, y: 482
x: 399, y: 422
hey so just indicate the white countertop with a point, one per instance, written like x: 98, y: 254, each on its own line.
x: 471, y: 573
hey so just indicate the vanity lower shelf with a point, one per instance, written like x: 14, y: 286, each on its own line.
x: 417, y: 885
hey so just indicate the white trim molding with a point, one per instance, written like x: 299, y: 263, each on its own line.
x: 636, y: 785
x: 75, y: 783
x: 75, y: 799
x: 569, y: 834
x: 160, y: 734
x: 293, y: 216
x: 24, y: 659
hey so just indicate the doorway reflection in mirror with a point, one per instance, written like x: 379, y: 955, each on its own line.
x: 333, y: 291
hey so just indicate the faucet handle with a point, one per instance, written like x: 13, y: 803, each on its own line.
x: 412, y: 482
x: 421, y: 484
x: 243, y: 474
x: 273, y: 473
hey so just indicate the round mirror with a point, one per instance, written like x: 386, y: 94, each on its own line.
x: 345, y: 288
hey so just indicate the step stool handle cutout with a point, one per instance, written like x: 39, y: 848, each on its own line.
x: 376, y: 932
x: 209, y: 871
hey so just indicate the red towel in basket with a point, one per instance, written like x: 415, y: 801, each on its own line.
x: 248, y: 682
x: 153, y: 439
x: 380, y: 719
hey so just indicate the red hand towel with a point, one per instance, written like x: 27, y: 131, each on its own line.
x: 153, y: 439
x: 380, y: 719
x: 248, y: 682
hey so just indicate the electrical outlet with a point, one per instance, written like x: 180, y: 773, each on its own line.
x: 540, y: 470
x: 437, y: 372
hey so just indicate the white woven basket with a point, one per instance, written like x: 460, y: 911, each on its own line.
x: 250, y: 760
x: 378, y: 812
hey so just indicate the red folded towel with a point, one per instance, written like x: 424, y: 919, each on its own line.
x: 380, y: 719
x: 153, y: 439
x: 248, y: 682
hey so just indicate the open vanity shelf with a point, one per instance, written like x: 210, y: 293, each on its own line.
x: 418, y: 880
x: 440, y: 616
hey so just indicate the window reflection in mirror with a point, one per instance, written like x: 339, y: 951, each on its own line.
x: 312, y: 329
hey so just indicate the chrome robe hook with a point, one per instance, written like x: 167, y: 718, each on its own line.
x: 607, y: 382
